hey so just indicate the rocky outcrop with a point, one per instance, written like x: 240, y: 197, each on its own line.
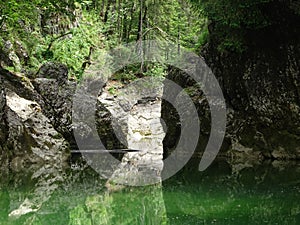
x: 3, y: 127
x: 58, y: 104
x: 57, y: 94
x: 262, y: 91
x: 12, y: 55
x: 136, y: 112
x: 54, y: 70
x: 41, y: 121
x: 28, y: 135
x: 31, y: 133
x: 262, y: 110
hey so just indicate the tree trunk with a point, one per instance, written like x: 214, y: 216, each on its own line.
x: 179, y: 30
x: 139, y: 39
x: 107, y: 11
x: 119, y: 26
x: 131, y: 20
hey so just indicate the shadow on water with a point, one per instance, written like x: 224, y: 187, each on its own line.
x: 267, y: 193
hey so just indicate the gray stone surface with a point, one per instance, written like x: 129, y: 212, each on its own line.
x: 261, y: 88
x: 28, y: 135
x: 32, y: 132
x: 57, y: 107
x: 136, y: 122
x: 3, y: 127
x: 52, y: 70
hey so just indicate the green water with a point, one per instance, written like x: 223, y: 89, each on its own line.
x: 223, y: 194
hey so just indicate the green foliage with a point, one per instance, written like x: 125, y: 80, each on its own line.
x: 156, y: 70
x: 79, y: 216
x: 101, y: 26
x: 112, y: 90
x: 74, y: 49
x: 20, y: 22
x: 132, y: 72
x: 126, y: 75
x: 181, y: 23
x: 230, y: 19
x: 203, y: 38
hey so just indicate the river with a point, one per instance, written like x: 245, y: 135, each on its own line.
x: 226, y: 193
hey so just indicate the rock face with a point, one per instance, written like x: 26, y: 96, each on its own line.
x: 32, y: 132
x: 3, y: 127
x: 136, y: 113
x: 262, y: 90
x: 11, y: 55
x: 58, y: 104
x: 27, y: 135
x: 37, y: 121
x: 262, y: 87
x: 56, y: 71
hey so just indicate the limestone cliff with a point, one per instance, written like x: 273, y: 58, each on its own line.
x: 261, y: 87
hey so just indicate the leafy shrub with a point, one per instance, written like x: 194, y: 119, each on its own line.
x: 75, y: 48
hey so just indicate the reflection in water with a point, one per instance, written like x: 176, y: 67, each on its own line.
x: 257, y: 194
x: 48, y: 179
x: 223, y: 194
x: 78, y: 197
x: 143, y: 206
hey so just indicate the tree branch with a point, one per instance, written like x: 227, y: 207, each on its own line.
x: 55, y: 39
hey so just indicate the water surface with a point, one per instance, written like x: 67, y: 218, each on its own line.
x: 266, y: 193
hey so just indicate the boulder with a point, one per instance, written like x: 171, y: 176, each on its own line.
x: 53, y: 70
x: 27, y: 135
x: 135, y: 118
x: 30, y: 133
x: 57, y: 103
